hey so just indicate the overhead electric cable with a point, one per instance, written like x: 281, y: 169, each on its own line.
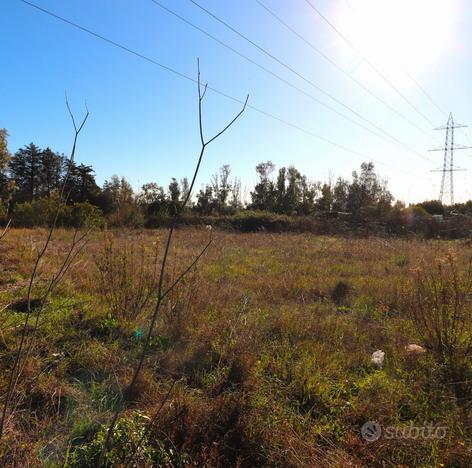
x: 210, y: 88
x: 285, y: 65
x: 392, y: 138
x: 338, y: 67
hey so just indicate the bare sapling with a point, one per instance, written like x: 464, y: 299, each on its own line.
x: 77, y: 244
x: 161, y: 291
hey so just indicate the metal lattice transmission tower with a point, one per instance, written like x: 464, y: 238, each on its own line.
x: 446, y: 194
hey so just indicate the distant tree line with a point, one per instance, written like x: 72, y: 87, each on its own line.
x: 293, y: 194
x: 31, y: 178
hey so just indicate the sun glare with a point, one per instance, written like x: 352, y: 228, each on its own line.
x: 414, y: 33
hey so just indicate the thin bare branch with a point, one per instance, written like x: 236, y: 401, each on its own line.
x: 200, y: 100
x: 14, y: 375
x: 160, y: 295
x: 5, y: 231
x: 231, y: 123
x: 72, y: 254
x: 185, y: 272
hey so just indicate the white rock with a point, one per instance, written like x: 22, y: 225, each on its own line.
x: 377, y: 358
x: 208, y: 227
x: 414, y: 349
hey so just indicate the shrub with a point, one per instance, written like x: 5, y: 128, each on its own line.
x: 127, y: 215
x: 127, y: 275
x: 253, y: 221
x: 85, y: 214
x: 41, y: 212
x: 441, y: 311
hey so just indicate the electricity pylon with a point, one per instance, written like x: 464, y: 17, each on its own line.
x: 448, y: 169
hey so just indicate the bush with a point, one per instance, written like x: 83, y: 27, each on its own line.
x: 41, y: 212
x: 127, y: 215
x: 128, y: 275
x: 84, y: 214
x: 441, y: 311
x: 253, y: 221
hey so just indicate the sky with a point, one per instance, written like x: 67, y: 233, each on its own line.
x: 371, y: 86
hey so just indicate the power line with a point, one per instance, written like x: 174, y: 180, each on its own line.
x: 283, y: 80
x: 288, y: 67
x: 371, y: 65
x: 215, y: 90
x: 288, y: 83
x: 339, y: 68
x: 348, y: 3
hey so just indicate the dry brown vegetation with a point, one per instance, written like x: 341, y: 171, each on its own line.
x: 261, y: 355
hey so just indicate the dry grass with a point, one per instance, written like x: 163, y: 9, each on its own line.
x: 267, y: 343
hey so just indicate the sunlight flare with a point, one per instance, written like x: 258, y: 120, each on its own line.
x: 396, y: 34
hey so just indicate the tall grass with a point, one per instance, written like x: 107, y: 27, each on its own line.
x: 260, y: 357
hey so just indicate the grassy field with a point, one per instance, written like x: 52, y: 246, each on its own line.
x: 261, y: 356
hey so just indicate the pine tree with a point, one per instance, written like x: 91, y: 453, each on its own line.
x: 50, y: 172
x: 24, y: 168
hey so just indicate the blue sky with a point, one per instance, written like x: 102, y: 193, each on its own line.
x: 143, y: 121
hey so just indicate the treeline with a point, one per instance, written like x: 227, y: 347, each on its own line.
x: 32, y: 177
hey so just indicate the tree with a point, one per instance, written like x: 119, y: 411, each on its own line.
x: 174, y: 194
x: 4, y: 154
x: 263, y: 197
x: 50, y: 172
x: 368, y: 192
x: 88, y: 187
x: 118, y: 201
x: 294, y: 190
x: 153, y: 199
x: 309, y: 192
x: 80, y: 185
x: 433, y: 206
x: 150, y: 193
x: 118, y: 191
x: 280, y: 191
x: 225, y: 186
x: 205, y: 203
x: 236, y: 202
x: 24, y: 168
x: 4, y: 158
x: 325, y: 202
x: 340, y: 195
x: 185, y: 187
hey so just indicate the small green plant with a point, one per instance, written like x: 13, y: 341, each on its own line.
x: 401, y: 261
x: 128, y: 432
